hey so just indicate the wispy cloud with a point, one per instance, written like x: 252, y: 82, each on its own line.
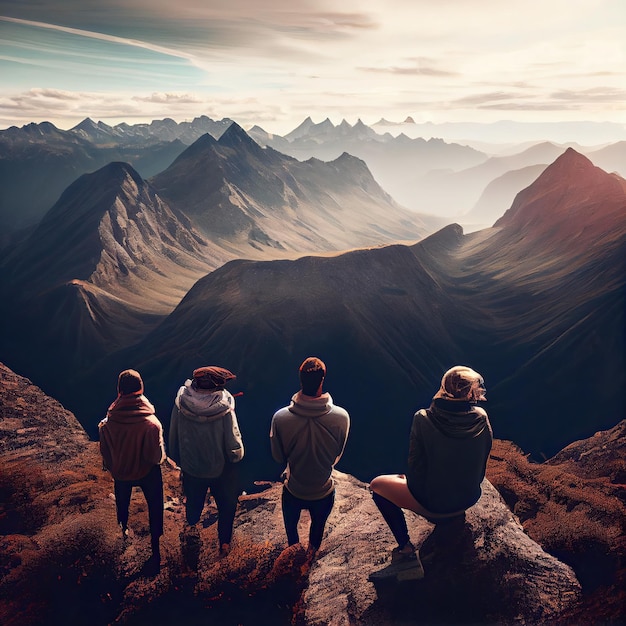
x: 99, y: 36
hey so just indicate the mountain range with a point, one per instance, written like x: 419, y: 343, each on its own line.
x: 116, y: 253
x: 437, y: 176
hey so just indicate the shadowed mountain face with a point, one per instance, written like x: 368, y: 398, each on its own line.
x: 252, y: 199
x: 106, y: 263
x: 536, y: 305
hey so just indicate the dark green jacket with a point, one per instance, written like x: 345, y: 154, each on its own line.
x: 448, y: 451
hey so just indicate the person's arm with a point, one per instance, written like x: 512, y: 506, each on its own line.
x: 278, y: 454
x: 417, y: 456
x: 173, y: 445
x: 343, y: 438
x: 153, y: 445
x: 233, y: 441
x: 105, y: 450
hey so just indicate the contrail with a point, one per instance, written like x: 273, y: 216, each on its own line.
x: 101, y: 36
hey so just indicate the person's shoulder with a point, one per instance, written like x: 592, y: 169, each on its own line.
x: 420, y: 415
x: 154, y: 422
x: 339, y: 411
x: 282, y: 414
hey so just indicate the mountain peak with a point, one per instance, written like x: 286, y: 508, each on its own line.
x: 236, y: 137
x: 572, y: 198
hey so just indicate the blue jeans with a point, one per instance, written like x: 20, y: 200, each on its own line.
x: 318, y: 509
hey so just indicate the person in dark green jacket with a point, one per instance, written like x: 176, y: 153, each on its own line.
x: 449, y: 446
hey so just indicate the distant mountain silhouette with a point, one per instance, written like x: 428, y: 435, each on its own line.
x: 498, y: 196
x: 536, y: 304
x: 165, y: 130
x: 395, y: 162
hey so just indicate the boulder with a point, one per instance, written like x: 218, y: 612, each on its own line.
x: 482, y: 570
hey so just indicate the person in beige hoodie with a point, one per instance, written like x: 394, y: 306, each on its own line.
x: 309, y: 436
x: 132, y: 448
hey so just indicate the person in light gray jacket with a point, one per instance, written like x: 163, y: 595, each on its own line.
x: 206, y: 443
x: 309, y: 436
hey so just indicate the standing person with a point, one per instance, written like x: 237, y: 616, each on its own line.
x: 448, y: 452
x: 132, y: 448
x: 205, y: 442
x: 309, y: 436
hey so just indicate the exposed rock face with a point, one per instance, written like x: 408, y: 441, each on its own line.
x: 63, y: 557
x: 486, y: 571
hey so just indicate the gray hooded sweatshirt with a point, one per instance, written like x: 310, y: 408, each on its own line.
x: 309, y: 435
x: 204, y: 434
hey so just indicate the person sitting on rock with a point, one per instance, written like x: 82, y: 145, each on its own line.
x: 205, y: 441
x: 449, y: 446
x: 309, y: 436
x: 132, y: 448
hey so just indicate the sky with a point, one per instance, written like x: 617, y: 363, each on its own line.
x: 276, y: 62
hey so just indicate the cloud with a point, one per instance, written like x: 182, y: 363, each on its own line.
x: 408, y: 71
x: 597, y: 95
x: 169, y: 98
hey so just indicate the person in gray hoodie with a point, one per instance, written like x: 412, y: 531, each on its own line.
x: 206, y: 443
x: 309, y: 436
x: 449, y: 447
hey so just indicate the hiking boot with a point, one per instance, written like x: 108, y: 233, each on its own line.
x: 190, y: 547
x: 405, y: 565
x: 224, y: 549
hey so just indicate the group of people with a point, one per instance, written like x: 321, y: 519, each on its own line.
x: 449, y: 446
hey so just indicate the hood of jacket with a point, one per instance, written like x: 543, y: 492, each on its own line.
x: 203, y: 405
x: 457, y: 419
x: 310, y: 406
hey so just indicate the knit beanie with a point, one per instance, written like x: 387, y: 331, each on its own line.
x: 312, y: 374
x: 129, y: 382
x: 211, y: 377
x: 462, y: 383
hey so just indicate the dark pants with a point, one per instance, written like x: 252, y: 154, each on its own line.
x: 152, y: 486
x: 394, y: 516
x: 225, y: 490
x: 318, y: 509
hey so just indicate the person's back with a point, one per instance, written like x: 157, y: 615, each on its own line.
x: 309, y: 435
x: 448, y: 454
x: 206, y: 434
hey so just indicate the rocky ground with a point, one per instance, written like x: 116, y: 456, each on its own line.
x: 63, y: 560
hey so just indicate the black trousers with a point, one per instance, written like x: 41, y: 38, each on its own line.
x: 152, y: 486
x: 225, y: 490
x: 318, y: 509
x: 394, y: 516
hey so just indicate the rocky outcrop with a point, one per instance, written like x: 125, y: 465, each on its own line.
x: 486, y: 570
x: 63, y: 556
